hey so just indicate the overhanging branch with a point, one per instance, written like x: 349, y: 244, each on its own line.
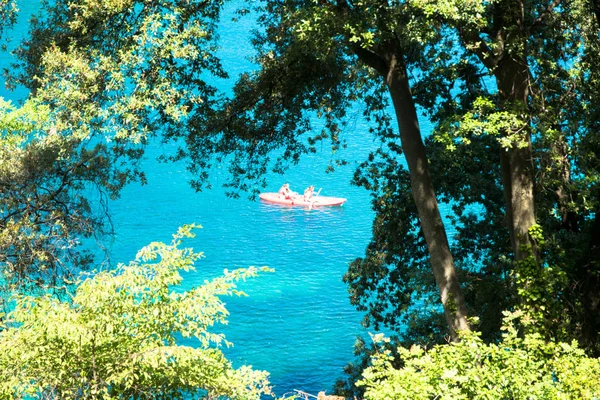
x: 372, y: 59
x: 474, y: 42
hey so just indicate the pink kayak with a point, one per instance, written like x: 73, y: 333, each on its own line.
x: 316, y: 201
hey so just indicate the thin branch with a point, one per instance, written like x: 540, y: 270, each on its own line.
x: 548, y: 10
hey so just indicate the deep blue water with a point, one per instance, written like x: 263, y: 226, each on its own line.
x: 297, y: 322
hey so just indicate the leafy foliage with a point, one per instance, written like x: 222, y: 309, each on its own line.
x: 8, y: 15
x: 557, y: 288
x: 118, y: 336
x: 384, y: 282
x: 517, y: 367
x: 474, y: 128
x: 54, y: 188
x: 123, y: 73
x: 269, y: 123
x: 105, y: 78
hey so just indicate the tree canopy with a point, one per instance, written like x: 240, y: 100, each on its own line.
x: 504, y: 88
x: 45, y: 208
x: 8, y: 13
x: 105, y: 79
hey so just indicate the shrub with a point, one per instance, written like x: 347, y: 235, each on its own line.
x: 117, y: 337
x: 518, y: 367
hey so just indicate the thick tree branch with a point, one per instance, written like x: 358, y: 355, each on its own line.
x: 476, y: 44
x: 372, y: 59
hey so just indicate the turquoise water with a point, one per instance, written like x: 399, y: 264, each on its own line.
x: 297, y: 322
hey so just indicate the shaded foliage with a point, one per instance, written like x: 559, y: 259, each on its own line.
x: 464, y: 150
x: 271, y: 115
x: 54, y: 189
x: 8, y: 16
x: 110, y: 77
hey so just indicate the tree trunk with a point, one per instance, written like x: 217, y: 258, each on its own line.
x: 518, y: 194
x: 516, y: 164
x: 442, y: 262
x: 511, y: 71
x: 596, y: 8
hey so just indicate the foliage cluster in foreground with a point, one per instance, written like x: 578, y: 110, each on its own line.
x: 117, y: 338
x: 518, y: 367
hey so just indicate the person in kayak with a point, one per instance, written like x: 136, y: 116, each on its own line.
x: 308, y: 193
x: 286, y: 192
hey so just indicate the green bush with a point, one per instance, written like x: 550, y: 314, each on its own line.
x: 116, y: 339
x: 519, y: 367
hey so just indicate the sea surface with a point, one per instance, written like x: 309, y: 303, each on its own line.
x: 296, y: 322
